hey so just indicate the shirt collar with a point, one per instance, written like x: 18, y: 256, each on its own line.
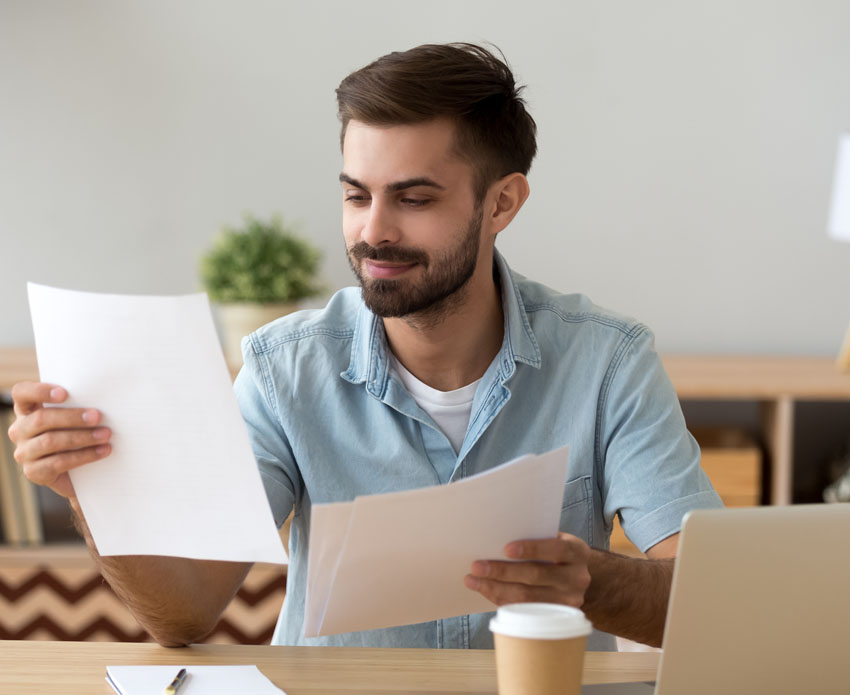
x: 369, y: 362
x: 519, y: 342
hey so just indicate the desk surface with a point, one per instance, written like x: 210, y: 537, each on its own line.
x: 74, y: 668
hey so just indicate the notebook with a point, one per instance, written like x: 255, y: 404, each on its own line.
x: 200, y: 680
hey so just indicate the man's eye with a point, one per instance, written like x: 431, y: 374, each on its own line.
x: 415, y: 202
x: 355, y: 198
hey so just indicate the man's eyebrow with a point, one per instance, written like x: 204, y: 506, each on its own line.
x: 396, y: 186
x: 414, y: 182
x: 345, y: 178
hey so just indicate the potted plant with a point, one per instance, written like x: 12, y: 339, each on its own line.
x: 256, y: 273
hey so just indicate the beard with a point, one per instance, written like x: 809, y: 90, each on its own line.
x: 440, y: 285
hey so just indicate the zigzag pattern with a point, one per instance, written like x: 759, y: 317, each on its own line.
x: 226, y: 629
x: 55, y: 631
x: 46, y: 579
x: 72, y: 595
x: 44, y: 627
x: 77, y: 604
x: 270, y: 588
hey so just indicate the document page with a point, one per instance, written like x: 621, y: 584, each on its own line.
x: 181, y: 479
x: 400, y: 558
x: 200, y: 680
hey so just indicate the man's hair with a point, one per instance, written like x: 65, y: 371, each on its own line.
x: 460, y: 81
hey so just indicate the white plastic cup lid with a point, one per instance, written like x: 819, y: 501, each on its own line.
x: 540, y: 621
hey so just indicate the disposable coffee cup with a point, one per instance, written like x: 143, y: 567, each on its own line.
x: 539, y: 648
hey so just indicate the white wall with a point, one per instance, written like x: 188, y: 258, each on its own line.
x: 686, y: 148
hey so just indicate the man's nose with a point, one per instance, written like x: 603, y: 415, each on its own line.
x: 381, y: 225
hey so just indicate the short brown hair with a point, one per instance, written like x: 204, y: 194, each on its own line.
x: 460, y: 81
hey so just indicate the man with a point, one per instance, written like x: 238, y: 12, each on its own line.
x: 443, y: 364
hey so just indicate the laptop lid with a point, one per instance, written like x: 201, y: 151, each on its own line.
x: 760, y: 603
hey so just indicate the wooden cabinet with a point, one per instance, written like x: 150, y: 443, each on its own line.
x: 733, y: 462
x: 779, y: 388
x: 776, y: 385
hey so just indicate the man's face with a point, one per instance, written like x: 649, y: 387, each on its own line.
x: 411, y: 226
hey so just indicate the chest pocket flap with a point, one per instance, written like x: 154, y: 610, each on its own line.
x: 577, y: 509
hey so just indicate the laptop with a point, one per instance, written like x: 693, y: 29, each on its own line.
x: 760, y: 603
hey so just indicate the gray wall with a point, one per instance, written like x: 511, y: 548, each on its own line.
x: 686, y: 148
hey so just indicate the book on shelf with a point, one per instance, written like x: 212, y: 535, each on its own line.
x: 20, y: 514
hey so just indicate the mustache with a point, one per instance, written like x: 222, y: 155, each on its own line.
x: 390, y: 254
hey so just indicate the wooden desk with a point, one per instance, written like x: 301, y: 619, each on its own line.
x: 77, y: 668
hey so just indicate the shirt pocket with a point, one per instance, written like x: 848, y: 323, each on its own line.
x: 577, y: 509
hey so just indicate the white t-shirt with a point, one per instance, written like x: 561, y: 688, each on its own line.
x: 449, y: 409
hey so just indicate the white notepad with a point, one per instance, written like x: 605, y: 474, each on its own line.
x: 200, y: 680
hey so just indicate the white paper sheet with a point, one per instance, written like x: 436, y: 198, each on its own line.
x: 200, y: 680
x: 402, y: 556
x: 181, y: 479
x: 328, y: 528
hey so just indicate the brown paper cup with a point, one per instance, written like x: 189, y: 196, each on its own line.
x: 545, y: 653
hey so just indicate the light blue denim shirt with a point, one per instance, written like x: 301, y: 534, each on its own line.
x: 329, y: 420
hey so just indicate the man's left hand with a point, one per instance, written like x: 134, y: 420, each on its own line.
x: 553, y: 570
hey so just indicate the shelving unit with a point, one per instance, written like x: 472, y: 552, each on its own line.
x: 776, y: 386
x: 733, y: 461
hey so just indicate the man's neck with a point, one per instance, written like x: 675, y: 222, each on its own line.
x: 455, y: 350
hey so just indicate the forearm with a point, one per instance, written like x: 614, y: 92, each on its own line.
x: 628, y: 596
x: 172, y: 598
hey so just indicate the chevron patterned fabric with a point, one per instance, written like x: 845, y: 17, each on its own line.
x: 70, y: 601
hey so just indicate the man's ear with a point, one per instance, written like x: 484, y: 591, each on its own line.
x: 504, y: 199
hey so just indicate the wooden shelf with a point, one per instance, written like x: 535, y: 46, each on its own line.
x: 702, y: 377
x: 776, y: 384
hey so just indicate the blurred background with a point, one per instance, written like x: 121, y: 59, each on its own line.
x: 686, y: 158
x: 686, y: 148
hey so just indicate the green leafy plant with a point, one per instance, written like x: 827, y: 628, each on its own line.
x: 260, y: 262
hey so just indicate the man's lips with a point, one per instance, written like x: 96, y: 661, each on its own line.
x: 381, y: 270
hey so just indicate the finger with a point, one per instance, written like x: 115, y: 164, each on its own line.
x: 63, y: 486
x: 30, y: 395
x: 57, y: 441
x: 529, y: 573
x: 47, y: 471
x: 47, y: 419
x: 502, y: 593
x: 563, y: 549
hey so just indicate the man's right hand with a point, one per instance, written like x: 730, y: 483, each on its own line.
x: 51, y: 441
x: 177, y: 600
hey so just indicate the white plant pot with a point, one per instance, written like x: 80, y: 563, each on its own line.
x: 238, y: 319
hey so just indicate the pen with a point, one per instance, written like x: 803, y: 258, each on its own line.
x: 176, y: 683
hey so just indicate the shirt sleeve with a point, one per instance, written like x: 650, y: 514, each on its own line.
x: 272, y: 450
x: 651, y: 463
